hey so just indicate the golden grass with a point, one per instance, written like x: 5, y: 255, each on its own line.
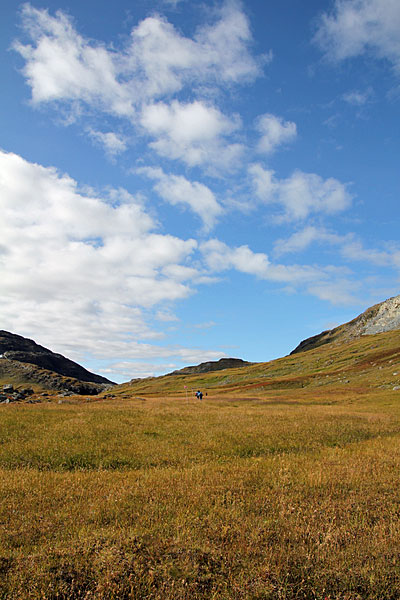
x: 222, y: 499
x: 262, y: 493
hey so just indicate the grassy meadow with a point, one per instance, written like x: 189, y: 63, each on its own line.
x: 257, y: 492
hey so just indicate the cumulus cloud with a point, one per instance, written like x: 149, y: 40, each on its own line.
x: 218, y: 55
x: 302, y: 239
x: 301, y: 194
x: 349, y: 246
x: 356, y: 27
x: 274, y: 132
x: 225, y: 47
x: 179, y: 191
x: 84, y: 78
x: 317, y: 281
x: 61, y: 65
x: 112, y: 143
x: 81, y: 272
x: 80, y: 264
x: 193, y: 132
x: 221, y: 257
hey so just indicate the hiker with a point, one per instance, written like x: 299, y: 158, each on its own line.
x: 200, y: 396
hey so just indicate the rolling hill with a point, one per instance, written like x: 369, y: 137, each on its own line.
x: 359, y: 356
x: 24, y: 362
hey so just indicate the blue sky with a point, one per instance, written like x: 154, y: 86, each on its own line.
x: 184, y: 181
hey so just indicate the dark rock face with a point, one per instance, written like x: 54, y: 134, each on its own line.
x: 17, y: 348
x: 376, y: 319
x: 9, y: 394
x: 216, y: 365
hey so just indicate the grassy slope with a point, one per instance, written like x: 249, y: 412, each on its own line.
x: 266, y: 490
x: 23, y: 375
x: 363, y: 365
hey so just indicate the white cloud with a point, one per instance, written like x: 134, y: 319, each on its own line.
x: 274, y: 132
x: 354, y: 250
x: 338, y: 292
x: 185, y: 123
x: 193, y: 132
x: 302, y: 239
x: 356, y: 27
x: 80, y: 272
x: 164, y: 61
x: 301, y: 194
x: 317, y: 281
x: 220, y: 257
x: 166, y: 316
x: 350, y: 248
x: 224, y: 47
x: 61, y: 65
x: 112, y: 143
x: 177, y: 190
x: 83, y: 78
x: 134, y: 367
x: 82, y: 266
x: 132, y: 370
x: 358, y: 98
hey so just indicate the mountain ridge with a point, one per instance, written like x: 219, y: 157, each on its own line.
x: 212, y: 365
x: 379, y: 318
x: 23, y: 360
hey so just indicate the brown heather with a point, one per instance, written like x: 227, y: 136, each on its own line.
x: 282, y: 484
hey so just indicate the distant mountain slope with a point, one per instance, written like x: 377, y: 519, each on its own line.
x: 376, y: 319
x: 369, y: 363
x: 213, y: 365
x: 25, y: 375
x: 19, y: 349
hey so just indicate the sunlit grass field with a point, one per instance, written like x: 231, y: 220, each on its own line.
x: 288, y: 493
x: 255, y: 498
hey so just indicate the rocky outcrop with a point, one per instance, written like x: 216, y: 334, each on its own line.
x: 18, y: 348
x: 23, y: 374
x: 9, y: 394
x: 387, y: 317
x: 216, y: 365
x: 376, y: 319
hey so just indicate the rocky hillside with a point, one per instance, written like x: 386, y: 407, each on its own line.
x: 22, y: 358
x: 213, y: 365
x: 376, y: 319
x: 21, y: 375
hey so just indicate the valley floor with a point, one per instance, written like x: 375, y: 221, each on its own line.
x: 289, y: 495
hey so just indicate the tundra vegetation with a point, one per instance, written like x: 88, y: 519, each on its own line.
x: 283, y: 483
